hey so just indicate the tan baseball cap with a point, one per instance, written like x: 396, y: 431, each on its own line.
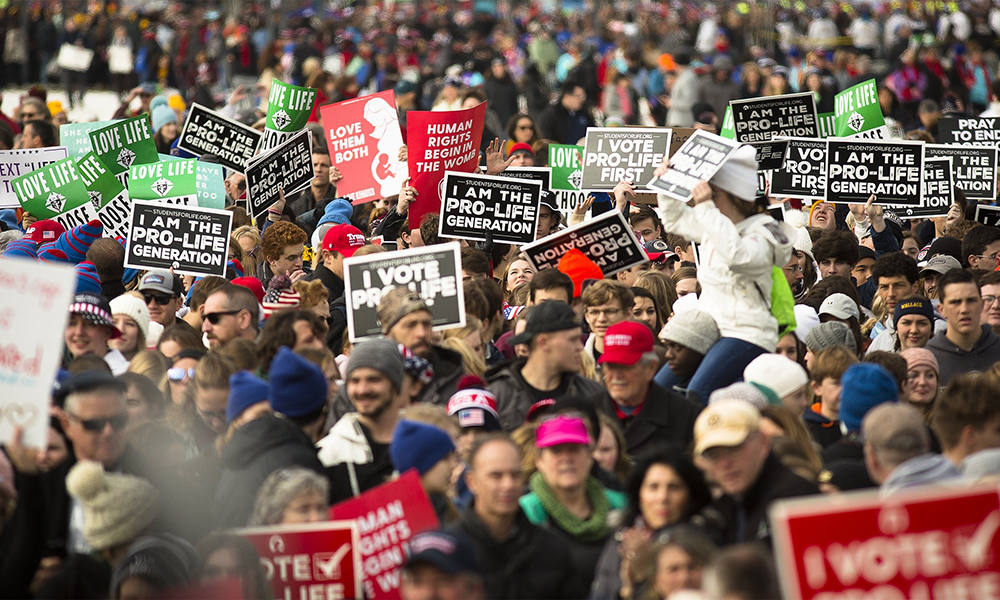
x: 725, y: 423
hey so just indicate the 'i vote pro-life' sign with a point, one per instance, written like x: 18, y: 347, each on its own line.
x: 891, y: 171
x: 616, y: 154
x: 803, y: 172
x: 504, y: 207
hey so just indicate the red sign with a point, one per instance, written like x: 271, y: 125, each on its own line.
x: 387, y: 517
x: 437, y: 142
x: 312, y: 561
x: 927, y: 545
x: 364, y: 139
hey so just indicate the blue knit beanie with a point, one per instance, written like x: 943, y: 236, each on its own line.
x: 418, y: 446
x: 24, y: 248
x: 77, y: 241
x: 87, y: 278
x: 298, y: 387
x: 161, y: 116
x: 865, y: 386
x: 338, y: 211
x: 245, y: 390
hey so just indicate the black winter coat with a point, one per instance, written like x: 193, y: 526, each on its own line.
x: 533, y: 563
x: 256, y: 450
x: 665, y: 417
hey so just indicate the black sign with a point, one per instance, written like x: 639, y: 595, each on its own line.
x: 616, y: 154
x: 988, y: 215
x: 939, y: 191
x: 803, y: 173
x: 974, y: 168
x: 891, y: 171
x: 763, y: 119
x: 770, y: 155
x: 607, y: 240
x: 288, y: 167
x: 542, y: 175
x: 435, y: 272
x: 976, y: 131
x: 697, y: 160
x: 188, y: 239
x: 472, y: 205
x: 207, y: 132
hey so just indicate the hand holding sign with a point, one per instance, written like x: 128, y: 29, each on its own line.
x: 623, y: 192
x: 24, y: 459
x: 702, y: 192
x: 495, y: 164
x: 406, y: 195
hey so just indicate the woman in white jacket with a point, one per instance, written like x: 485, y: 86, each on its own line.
x: 739, y: 244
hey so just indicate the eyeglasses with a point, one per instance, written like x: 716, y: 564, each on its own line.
x: 178, y: 374
x: 208, y: 417
x: 215, y: 317
x: 792, y: 269
x: 989, y: 300
x: 607, y: 312
x: 992, y: 256
x: 161, y: 299
x: 117, y: 422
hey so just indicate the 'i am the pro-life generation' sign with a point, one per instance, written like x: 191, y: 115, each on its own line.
x: 974, y: 168
x: 891, y: 171
x: 187, y: 239
x: 697, y: 160
x: 207, y: 132
x: 504, y: 207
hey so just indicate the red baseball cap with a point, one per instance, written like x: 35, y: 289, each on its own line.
x: 44, y: 231
x: 625, y: 343
x: 345, y: 239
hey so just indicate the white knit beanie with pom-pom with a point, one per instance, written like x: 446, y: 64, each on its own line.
x: 116, y: 508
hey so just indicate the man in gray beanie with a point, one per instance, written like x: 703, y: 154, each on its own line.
x: 825, y: 335
x: 687, y: 337
x: 355, y: 453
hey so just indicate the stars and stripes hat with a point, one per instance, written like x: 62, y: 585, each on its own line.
x: 87, y: 278
x: 75, y: 242
x: 96, y: 309
x: 475, y: 408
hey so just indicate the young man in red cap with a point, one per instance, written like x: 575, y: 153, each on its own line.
x: 647, y: 412
x: 523, y: 155
x: 340, y: 242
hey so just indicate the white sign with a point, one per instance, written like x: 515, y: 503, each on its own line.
x: 14, y: 163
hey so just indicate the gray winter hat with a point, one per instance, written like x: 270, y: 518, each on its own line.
x: 982, y: 463
x: 832, y: 333
x: 692, y: 329
x: 740, y: 391
x: 382, y: 355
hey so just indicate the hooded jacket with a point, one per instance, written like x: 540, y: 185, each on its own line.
x: 514, y: 396
x: 953, y: 361
x: 735, y: 271
x: 926, y: 469
x: 256, y: 450
x: 349, y: 461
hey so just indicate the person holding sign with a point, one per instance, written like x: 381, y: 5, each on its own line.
x: 739, y: 247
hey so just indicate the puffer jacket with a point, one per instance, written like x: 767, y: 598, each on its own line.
x: 735, y: 270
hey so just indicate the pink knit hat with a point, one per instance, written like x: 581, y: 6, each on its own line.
x: 920, y: 357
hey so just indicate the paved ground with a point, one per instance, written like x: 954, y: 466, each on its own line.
x: 97, y: 106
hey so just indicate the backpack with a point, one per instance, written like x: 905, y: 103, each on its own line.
x: 782, y: 302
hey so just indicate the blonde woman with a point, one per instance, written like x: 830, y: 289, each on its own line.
x: 248, y: 239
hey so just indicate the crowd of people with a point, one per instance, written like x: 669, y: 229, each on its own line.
x: 585, y: 434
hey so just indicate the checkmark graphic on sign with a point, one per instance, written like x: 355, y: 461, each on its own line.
x: 326, y: 565
x: 977, y: 546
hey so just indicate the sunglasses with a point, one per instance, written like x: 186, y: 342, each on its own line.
x: 161, y: 299
x: 177, y: 374
x: 215, y: 317
x: 117, y: 422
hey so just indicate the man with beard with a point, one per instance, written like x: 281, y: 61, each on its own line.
x: 230, y: 312
x: 355, y: 453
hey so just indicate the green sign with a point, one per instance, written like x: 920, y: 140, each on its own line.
x: 125, y: 143
x: 211, y: 183
x: 857, y: 113
x: 566, y: 162
x: 51, y: 190
x: 288, y: 110
x: 827, y: 126
x: 76, y: 136
x: 728, y: 125
x: 170, y: 182
x: 108, y: 196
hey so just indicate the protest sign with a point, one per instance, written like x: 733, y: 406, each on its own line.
x: 505, y: 207
x: 974, y: 168
x: 827, y: 126
x: 288, y: 167
x: 125, y: 143
x: 542, y: 175
x: 107, y: 195
x: 567, y: 164
x: 55, y: 191
x: 387, y: 517
x: 728, y: 127
x: 207, y: 132
x: 288, y: 110
x: 988, y: 215
x: 614, y: 154
x: 438, y: 142
x: 168, y: 182
x: 762, y: 119
x: 210, y: 182
x: 770, y: 155
x: 309, y: 560
x: 14, y: 163
x: 803, y: 172
x: 697, y: 160
x: 857, y: 169
x: 939, y: 191
x: 188, y: 239
x: 364, y: 139
x: 435, y: 272
x: 678, y: 136
x: 936, y: 542
x: 607, y: 240
x: 975, y: 131
x: 857, y: 113
x: 34, y: 298
x: 76, y: 136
